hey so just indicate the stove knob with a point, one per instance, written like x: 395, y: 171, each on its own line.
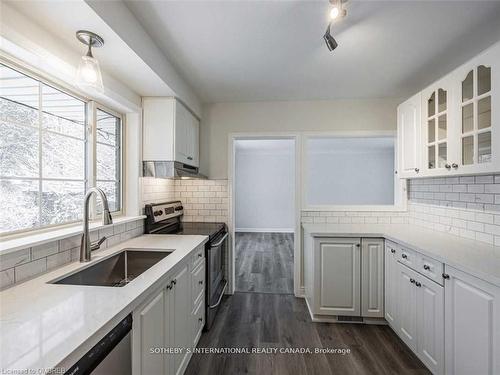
x: 179, y: 208
x: 158, y: 213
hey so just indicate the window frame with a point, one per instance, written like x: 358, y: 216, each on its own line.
x: 400, y: 200
x: 91, y: 106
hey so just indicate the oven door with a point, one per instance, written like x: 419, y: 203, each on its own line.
x: 216, y: 285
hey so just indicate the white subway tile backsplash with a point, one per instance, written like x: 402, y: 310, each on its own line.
x: 30, y: 269
x: 44, y: 250
x: 14, y: 259
x: 7, y: 278
x: 59, y: 259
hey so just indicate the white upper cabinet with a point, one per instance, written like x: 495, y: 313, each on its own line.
x: 437, y: 116
x: 458, y: 122
x: 170, y: 131
x: 409, y: 130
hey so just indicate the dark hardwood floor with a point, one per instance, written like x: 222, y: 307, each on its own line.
x: 261, y: 320
x: 264, y: 262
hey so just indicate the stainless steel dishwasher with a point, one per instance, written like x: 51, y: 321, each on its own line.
x: 110, y: 356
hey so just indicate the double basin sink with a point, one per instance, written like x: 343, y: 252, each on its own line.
x: 117, y: 270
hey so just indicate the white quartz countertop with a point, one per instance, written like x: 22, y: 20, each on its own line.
x: 42, y: 325
x: 474, y: 257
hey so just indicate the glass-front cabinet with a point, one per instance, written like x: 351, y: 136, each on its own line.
x: 459, y: 122
x: 437, y: 116
x: 478, y: 121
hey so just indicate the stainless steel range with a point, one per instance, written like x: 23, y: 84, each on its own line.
x: 165, y: 218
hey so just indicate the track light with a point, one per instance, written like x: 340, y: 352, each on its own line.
x: 331, y: 43
x: 337, y: 10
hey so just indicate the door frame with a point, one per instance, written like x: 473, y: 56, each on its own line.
x: 297, y: 240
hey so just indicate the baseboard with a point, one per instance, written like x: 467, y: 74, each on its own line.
x: 265, y: 230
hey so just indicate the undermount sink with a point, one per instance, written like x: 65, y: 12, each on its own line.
x: 117, y: 270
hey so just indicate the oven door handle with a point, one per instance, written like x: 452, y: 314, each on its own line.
x: 220, y: 297
x: 220, y: 242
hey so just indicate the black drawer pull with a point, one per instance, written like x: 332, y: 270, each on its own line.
x: 404, y: 256
x: 427, y: 267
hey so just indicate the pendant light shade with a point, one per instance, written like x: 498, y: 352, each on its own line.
x: 88, y: 75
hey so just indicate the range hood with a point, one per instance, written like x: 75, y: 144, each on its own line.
x: 171, y: 170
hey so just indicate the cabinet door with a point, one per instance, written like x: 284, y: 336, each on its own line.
x: 181, y: 328
x: 391, y: 282
x: 409, y: 130
x: 186, y: 136
x: 158, y: 118
x: 478, y: 130
x: 337, y: 276
x: 437, y: 118
x: 472, y: 325
x: 407, y: 306
x: 372, y: 277
x: 430, y: 324
x: 149, y: 326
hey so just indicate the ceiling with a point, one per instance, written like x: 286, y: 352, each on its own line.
x: 64, y: 18
x: 273, y: 50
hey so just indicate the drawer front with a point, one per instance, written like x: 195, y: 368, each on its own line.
x: 197, y: 283
x: 198, y: 321
x: 198, y: 257
x: 408, y: 257
x: 432, y: 269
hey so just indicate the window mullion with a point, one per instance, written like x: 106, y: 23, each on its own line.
x: 91, y: 153
x: 40, y: 160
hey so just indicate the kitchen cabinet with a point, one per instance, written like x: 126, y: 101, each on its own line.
x: 179, y: 319
x: 372, y: 277
x: 391, y: 283
x: 170, y: 131
x: 420, y: 317
x: 337, y: 276
x: 168, y: 321
x: 148, y: 333
x: 437, y: 116
x: 409, y: 133
x: 407, y: 306
x: 430, y: 324
x: 456, y: 127
x: 472, y: 325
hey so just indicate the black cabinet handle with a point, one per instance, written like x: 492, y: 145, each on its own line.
x: 393, y: 251
x: 412, y: 281
x: 200, y: 320
x: 426, y: 267
x: 200, y: 282
x: 404, y: 256
x: 447, y: 166
x: 174, y: 281
x: 418, y: 284
x: 446, y: 276
x: 199, y: 255
x: 455, y: 166
x: 417, y: 170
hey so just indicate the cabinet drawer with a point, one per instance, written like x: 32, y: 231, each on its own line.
x: 197, y: 283
x: 197, y: 258
x: 198, y: 321
x: 431, y: 268
x: 407, y: 257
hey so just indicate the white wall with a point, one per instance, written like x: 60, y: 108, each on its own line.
x: 264, y: 185
x: 221, y: 119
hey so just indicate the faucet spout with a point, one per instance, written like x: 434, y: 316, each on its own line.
x: 86, y: 246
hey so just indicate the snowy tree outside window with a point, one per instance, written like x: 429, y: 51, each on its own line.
x: 44, y: 154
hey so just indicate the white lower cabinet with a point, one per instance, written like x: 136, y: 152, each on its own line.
x: 472, y: 328
x: 166, y: 325
x: 407, y: 306
x: 337, y: 268
x: 391, y: 284
x: 372, y: 277
x: 179, y: 321
x: 430, y: 324
x: 417, y: 308
x: 148, y: 334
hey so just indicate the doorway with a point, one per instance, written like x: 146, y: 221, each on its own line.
x: 264, y: 215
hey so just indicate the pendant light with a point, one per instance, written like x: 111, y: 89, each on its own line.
x: 88, y: 75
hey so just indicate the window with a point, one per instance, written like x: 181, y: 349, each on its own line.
x: 350, y: 171
x: 45, y: 154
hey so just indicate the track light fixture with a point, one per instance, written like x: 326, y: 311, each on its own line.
x: 336, y: 12
x: 330, y: 41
